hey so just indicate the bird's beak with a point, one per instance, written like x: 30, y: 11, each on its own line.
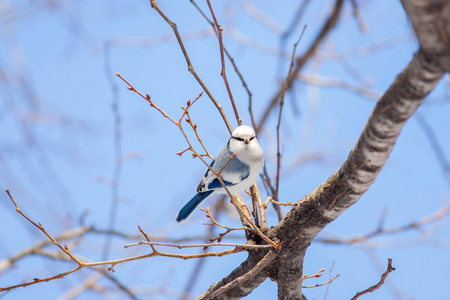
x: 246, y: 141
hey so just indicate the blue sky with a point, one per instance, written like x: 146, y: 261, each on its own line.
x: 57, y: 139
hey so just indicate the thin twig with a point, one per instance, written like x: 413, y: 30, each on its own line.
x: 380, y: 230
x: 228, y: 161
x: 317, y: 275
x: 321, y: 284
x: 147, y: 238
x: 195, y: 273
x: 270, y: 199
x: 214, y: 222
x: 290, y: 29
x: 112, y: 263
x: 223, y: 72
x: 358, y: 17
x: 188, y: 104
x: 191, y: 148
x: 269, y: 186
x: 329, y: 275
x: 240, y: 246
x: 117, y: 169
x: 194, y: 128
x: 261, y: 17
x: 283, y: 93
x: 189, y: 64
x: 231, y: 59
x: 41, y: 228
x: 379, y: 284
x: 146, y: 97
x: 362, y: 90
x: 301, y: 61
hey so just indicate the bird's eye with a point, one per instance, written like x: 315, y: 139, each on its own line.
x: 238, y: 138
x: 252, y: 138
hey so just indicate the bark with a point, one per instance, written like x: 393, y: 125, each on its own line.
x: 431, y: 21
x: 246, y: 286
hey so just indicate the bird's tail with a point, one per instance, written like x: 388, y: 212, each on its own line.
x: 187, y: 210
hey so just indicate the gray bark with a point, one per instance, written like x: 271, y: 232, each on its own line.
x: 431, y: 22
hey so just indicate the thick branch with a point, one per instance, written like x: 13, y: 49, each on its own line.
x: 346, y: 186
x: 432, y: 28
x: 245, y: 286
x: 216, y: 294
x: 289, y: 274
x: 366, y: 160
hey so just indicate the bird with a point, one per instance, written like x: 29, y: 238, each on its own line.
x: 239, y: 174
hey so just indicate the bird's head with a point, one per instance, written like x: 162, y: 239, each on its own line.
x: 244, y: 134
x: 244, y: 143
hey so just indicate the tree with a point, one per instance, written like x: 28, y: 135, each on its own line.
x: 277, y: 252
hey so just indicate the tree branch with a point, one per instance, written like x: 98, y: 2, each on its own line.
x: 301, y: 61
x: 390, y: 268
x: 346, y: 186
x: 430, y: 20
x: 239, y: 280
x: 190, y: 66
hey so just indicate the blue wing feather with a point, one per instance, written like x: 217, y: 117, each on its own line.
x: 234, y: 166
x: 187, y: 210
x: 215, y: 184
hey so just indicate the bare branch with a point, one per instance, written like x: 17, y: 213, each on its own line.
x: 194, y: 128
x: 214, y: 222
x: 231, y: 59
x: 197, y: 245
x: 190, y: 66
x: 112, y: 263
x: 117, y: 169
x: 321, y: 284
x: 358, y: 17
x: 283, y: 93
x: 223, y: 73
x: 257, y: 269
x: 254, y: 191
x: 444, y: 211
x: 379, y: 284
x: 301, y: 61
x: 363, y: 91
x: 235, y: 200
x: 347, y: 185
x: 41, y: 228
x: 432, y: 28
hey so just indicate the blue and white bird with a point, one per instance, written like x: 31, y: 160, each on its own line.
x: 239, y: 174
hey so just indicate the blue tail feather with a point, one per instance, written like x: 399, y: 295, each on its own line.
x: 187, y: 210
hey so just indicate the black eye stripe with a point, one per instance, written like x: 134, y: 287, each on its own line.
x: 241, y: 139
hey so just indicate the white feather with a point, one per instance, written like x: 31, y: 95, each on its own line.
x: 239, y: 173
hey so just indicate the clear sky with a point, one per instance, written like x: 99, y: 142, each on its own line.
x: 58, y: 155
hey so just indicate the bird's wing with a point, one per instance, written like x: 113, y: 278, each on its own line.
x: 233, y: 173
